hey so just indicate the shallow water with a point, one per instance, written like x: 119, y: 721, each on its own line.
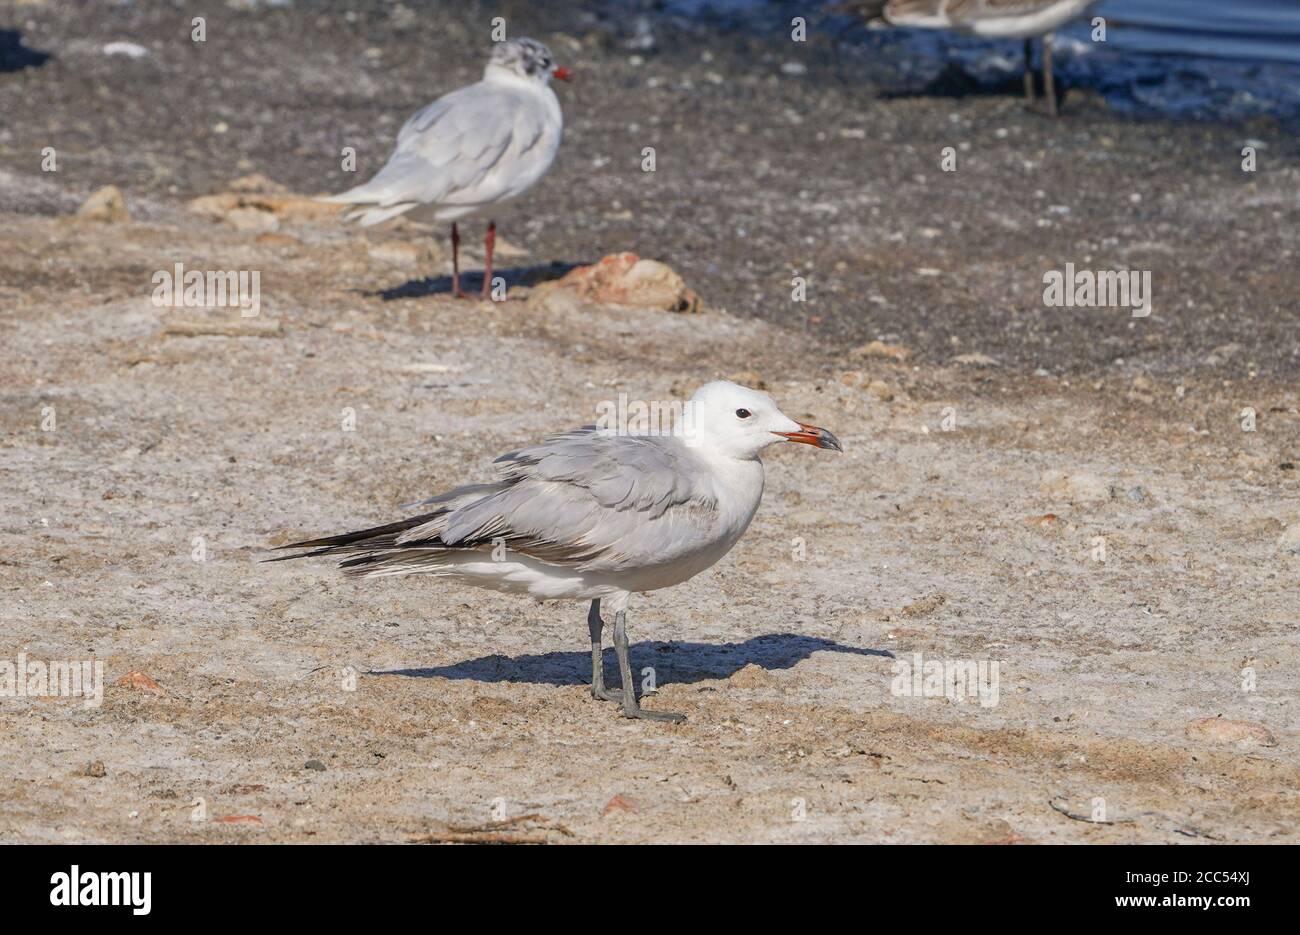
x: 1251, y: 30
x: 1202, y: 59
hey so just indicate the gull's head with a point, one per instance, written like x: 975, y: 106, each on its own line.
x: 527, y: 59
x: 738, y: 422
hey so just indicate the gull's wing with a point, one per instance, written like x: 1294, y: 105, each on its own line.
x: 480, y: 144
x: 583, y: 500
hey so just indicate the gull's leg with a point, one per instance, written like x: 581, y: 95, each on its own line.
x: 596, y: 625
x: 630, y: 706
x: 1049, y: 80
x: 1029, y: 72
x: 489, y: 243
x: 455, y: 262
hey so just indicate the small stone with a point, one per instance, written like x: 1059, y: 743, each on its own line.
x: 278, y: 240
x: 251, y: 219
x: 129, y: 49
x: 925, y: 606
x: 1074, y: 486
x: 624, y: 279
x: 257, y: 182
x: 1289, y: 541
x: 618, y: 803
x: 106, y: 206
x: 895, y: 352
x: 752, y: 676
x: 880, y: 389
x: 975, y: 360
x: 398, y: 253
x: 1221, y: 730
x: 138, y: 681
x: 749, y: 378
x: 314, y: 765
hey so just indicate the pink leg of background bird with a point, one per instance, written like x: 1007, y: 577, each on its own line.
x: 489, y: 243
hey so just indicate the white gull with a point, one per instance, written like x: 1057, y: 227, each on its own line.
x: 594, y: 514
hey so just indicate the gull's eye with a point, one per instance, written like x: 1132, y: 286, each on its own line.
x: 743, y: 413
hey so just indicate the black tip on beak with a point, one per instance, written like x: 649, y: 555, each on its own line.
x: 813, y: 435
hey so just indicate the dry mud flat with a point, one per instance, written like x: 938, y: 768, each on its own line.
x: 293, y: 705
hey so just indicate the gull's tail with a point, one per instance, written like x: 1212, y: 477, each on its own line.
x: 364, y: 208
x: 406, y: 546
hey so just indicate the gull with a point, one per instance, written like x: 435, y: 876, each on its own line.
x: 469, y: 150
x: 595, y: 514
x: 999, y: 19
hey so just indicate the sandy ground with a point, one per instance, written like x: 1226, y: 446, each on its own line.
x: 964, y: 521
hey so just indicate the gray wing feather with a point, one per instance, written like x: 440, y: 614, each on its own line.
x: 454, y: 147
x: 586, y: 500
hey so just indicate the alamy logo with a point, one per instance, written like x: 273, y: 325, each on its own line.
x: 214, y: 288
x: 58, y: 678
x: 103, y: 889
x: 1098, y: 289
x: 957, y: 680
x: 655, y: 418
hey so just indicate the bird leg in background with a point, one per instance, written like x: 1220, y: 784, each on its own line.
x: 455, y: 263
x: 1029, y: 72
x: 630, y: 706
x: 1049, y: 81
x: 596, y: 625
x: 489, y: 242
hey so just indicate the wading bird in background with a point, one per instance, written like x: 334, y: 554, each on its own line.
x: 997, y: 19
x: 594, y: 514
x: 474, y: 148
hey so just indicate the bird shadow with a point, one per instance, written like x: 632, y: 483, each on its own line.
x: 473, y: 282
x: 956, y: 82
x: 674, y: 661
x: 14, y: 56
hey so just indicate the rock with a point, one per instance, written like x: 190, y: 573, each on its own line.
x: 880, y: 389
x: 138, y: 681
x: 257, y: 182
x: 106, y: 206
x: 894, y: 352
x: 400, y: 253
x: 752, y: 676
x: 250, y: 219
x: 557, y: 301
x: 1289, y: 541
x: 285, y: 207
x: 624, y: 279
x: 278, y: 240
x: 315, y: 766
x: 975, y: 360
x: 749, y: 378
x: 925, y: 606
x: 1224, y: 731
x: 129, y: 49
x: 1223, y: 353
x: 618, y: 803
x: 1074, y: 486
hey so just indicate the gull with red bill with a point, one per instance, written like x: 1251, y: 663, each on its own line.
x: 594, y: 515
x: 470, y: 150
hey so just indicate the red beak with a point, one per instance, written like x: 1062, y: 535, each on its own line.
x: 812, y: 435
x: 562, y: 74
